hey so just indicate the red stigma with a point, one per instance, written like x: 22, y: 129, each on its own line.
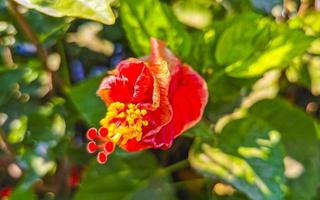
x: 99, y: 141
x: 108, y: 147
x: 102, y: 157
x: 91, y: 133
x: 103, y: 132
x: 92, y: 147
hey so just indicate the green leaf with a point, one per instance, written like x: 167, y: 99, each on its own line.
x: 310, y: 22
x: 9, y: 78
x: 306, y: 73
x: 131, y: 177
x: 89, y: 105
x: 203, y: 46
x: 22, y: 193
x: 98, y: 10
x: 281, y: 49
x: 299, y: 135
x: 53, y: 30
x: 151, y: 18
x: 200, y: 130
x: 237, y: 41
x: 248, y: 154
x: 252, y: 45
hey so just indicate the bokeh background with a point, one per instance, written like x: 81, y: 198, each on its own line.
x: 259, y: 136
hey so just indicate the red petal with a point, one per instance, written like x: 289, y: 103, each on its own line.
x: 110, y: 88
x: 159, y: 51
x: 161, y: 112
x: 131, y: 82
x: 133, y: 145
x: 131, y: 69
x: 188, y: 100
x: 143, y: 88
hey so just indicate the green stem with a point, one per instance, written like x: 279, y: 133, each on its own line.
x: 181, y: 184
x: 42, y: 54
x: 63, y: 71
x: 174, y: 167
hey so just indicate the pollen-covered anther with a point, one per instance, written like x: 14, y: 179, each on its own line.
x: 121, y: 123
x: 124, y: 122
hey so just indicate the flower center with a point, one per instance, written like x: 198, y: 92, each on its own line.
x: 121, y: 123
x: 124, y: 122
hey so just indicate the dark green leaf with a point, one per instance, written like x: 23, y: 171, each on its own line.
x: 132, y: 177
x: 299, y: 135
x: 9, y: 79
x: 84, y: 97
x: 53, y: 30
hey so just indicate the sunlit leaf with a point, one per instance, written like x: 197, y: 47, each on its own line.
x: 253, y: 45
x: 151, y: 18
x: 237, y: 42
x: 18, y: 129
x: 247, y: 154
x: 98, y: 10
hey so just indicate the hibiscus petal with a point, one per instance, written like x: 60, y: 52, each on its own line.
x: 131, y: 69
x: 113, y: 89
x: 188, y: 100
x: 161, y: 111
x: 133, y: 145
x: 143, y: 88
x: 131, y: 80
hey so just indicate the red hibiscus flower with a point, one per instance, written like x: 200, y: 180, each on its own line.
x: 150, y: 101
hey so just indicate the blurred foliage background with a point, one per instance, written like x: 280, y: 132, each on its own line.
x: 259, y: 137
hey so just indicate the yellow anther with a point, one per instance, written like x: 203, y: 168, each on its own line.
x: 145, y: 123
x: 124, y: 122
x: 143, y: 112
x: 137, y: 111
x: 121, y: 115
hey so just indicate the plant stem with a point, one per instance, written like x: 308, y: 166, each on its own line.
x: 174, y: 167
x: 63, y: 71
x: 180, y: 184
x: 42, y: 54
